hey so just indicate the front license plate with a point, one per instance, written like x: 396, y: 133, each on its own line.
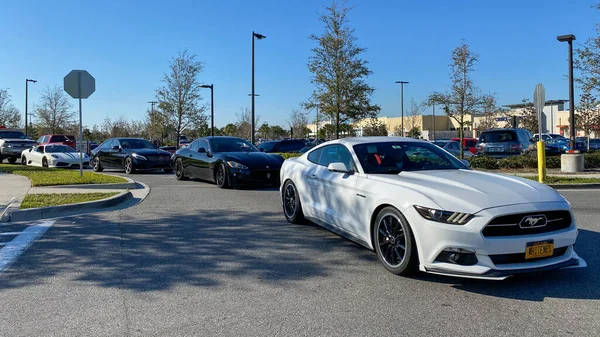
x: 536, y: 250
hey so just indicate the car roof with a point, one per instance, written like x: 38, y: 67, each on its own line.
x: 376, y: 139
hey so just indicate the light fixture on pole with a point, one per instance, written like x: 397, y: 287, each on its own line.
x: 212, y: 108
x: 258, y: 37
x: 570, y: 38
x: 26, y: 101
x: 402, y: 83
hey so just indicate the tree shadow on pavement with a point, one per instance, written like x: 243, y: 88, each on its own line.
x: 580, y: 283
x: 206, y: 248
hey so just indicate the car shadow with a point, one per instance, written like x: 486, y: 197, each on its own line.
x: 574, y: 283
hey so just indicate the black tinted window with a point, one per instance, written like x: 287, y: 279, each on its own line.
x: 202, y: 144
x: 498, y: 137
x: 290, y: 146
x: 267, y: 146
x: 471, y: 143
x: 314, y: 156
x: 12, y: 134
x: 105, y: 145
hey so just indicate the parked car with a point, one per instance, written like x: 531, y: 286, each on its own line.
x: 454, y: 148
x: 170, y: 149
x: 12, y: 143
x: 594, y: 144
x: 282, y: 146
x: 68, y: 140
x: 405, y: 200
x: 53, y: 155
x: 547, y: 136
x: 502, y: 143
x: 469, y: 143
x: 227, y: 161
x: 130, y: 154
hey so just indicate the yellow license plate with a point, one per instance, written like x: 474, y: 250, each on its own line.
x: 536, y: 250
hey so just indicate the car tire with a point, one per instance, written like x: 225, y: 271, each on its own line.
x: 292, y: 208
x: 23, y: 161
x: 392, y: 237
x: 44, y: 162
x: 179, y: 170
x: 97, y: 165
x: 221, y: 176
x: 128, y: 165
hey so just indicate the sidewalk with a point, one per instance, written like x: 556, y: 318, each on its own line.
x: 13, y: 188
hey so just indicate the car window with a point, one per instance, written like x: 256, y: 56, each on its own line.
x: 395, y: 157
x: 202, y: 143
x: 267, y: 146
x: 12, y: 134
x: 498, y: 136
x: 194, y: 145
x: 136, y: 144
x: 231, y: 145
x: 471, y: 142
x: 105, y: 145
x: 289, y: 146
x: 453, y: 146
x: 114, y: 143
x: 40, y: 140
x: 59, y: 148
x: 39, y: 149
x: 314, y: 156
x: 336, y: 154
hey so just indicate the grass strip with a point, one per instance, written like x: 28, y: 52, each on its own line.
x: 41, y: 176
x: 56, y: 199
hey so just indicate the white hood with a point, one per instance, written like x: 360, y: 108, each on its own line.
x: 68, y: 156
x: 472, y: 191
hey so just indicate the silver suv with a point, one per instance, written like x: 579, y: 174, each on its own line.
x: 502, y: 143
x: 12, y: 143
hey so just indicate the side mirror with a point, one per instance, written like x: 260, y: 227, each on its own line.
x: 465, y: 162
x: 201, y: 150
x: 116, y: 147
x: 339, y: 167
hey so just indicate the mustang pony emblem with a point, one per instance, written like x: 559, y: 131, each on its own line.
x: 532, y: 221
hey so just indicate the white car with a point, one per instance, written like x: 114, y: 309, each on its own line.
x: 53, y: 155
x: 420, y: 208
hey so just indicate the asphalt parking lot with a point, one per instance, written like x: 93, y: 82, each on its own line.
x: 193, y: 259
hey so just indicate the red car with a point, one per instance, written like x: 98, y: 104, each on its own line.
x: 468, y: 142
x: 57, y: 139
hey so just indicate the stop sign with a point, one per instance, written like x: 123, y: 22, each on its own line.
x: 78, y: 80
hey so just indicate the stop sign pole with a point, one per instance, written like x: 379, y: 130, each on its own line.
x: 80, y: 84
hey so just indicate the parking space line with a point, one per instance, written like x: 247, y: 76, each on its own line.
x: 13, y: 249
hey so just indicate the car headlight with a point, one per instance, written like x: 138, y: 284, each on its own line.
x: 54, y: 156
x: 7, y: 145
x: 452, y: 218
x: 236, y: 165
x: 138, y: 156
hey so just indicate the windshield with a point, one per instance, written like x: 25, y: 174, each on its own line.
x: 12, y: 134
x: 498, y: 137
x: 59, y: 148
x: 231, y: 145
x: 267, y: 146
x: 395, y: 157
x: 61, y: 139
x: 136, y: 144
x: 440, y: 143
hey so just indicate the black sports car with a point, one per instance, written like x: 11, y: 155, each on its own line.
x: 130, y: 154
x: 228, y: 161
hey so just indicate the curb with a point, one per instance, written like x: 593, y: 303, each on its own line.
x: 130, y: 184
x: 575, y: 186
x: 56, y: 211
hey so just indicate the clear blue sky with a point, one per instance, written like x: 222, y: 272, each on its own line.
x: 126, y: 46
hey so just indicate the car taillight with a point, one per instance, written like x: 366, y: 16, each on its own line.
x: 479, y: 147
x: 515, y: 147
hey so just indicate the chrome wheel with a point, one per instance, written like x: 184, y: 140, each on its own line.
x: 128, y: 166
x: 97, y: 165
x: 391, y: 239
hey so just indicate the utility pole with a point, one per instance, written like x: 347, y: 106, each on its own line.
x: 27, y: 100
x: 402, y: 83
x: 152, y: 103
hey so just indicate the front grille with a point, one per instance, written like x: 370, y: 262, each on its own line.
x: 508, y: 225
x: 62, y: 164
x: 520, y: 257
x: 158, y: 159
x: 261, y: 175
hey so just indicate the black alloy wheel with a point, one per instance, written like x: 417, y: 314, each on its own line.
x: 221, y: 176
x: 394, y: 242
x: 292, y: 208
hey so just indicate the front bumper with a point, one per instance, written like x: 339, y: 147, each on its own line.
x: 152, y: 165
x: 12, y: 152
x: 434, y: 238
x: 237, y: 177
x: 63, y: 164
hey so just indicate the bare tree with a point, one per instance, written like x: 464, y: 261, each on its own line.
x: 9, y: 115
x: 54, y: 111
x: 464, y: 98
x: 298, y: 122
x: 412, y: 116
x: 244, y: 123
x: 179, y: 98
x: 338, y: 71
x: 490, y: 111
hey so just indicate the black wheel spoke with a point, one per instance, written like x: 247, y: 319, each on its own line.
x: 391, y: 240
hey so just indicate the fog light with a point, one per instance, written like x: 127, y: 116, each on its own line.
x: 460, y: 256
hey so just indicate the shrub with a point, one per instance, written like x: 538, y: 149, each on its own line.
x: 289, y: 155
x: 592, y: 160
x: 552, y: 162
x: 514, y: 162
x: 483, y: 162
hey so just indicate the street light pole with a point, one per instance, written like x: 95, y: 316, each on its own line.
x: 152, y: 103
x: 402, y: 102
x: 433, y: 105
x: 27, y: 100
x: 570, y: 38
x: 212, y: 108
x: 258, y: 37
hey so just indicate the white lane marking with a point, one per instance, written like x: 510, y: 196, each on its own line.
x: 11, y: 251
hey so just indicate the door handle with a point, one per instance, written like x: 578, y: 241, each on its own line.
x: 313, y: 175
x: 190, y: 155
